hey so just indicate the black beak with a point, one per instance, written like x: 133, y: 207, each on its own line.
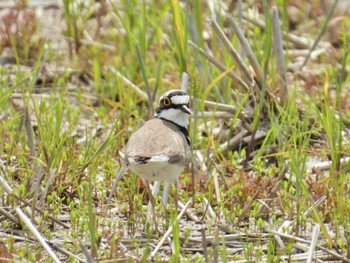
x: 185, y: 109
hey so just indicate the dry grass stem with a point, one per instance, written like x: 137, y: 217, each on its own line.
x: 88, y: 256
x: 216, y: 186
x: 278, y: 47
x: 189, y: 214
x: 215, y: 114
x: 320, y: 34
x: 235, y: 78
x: 315, y: 234
x: 298, y: 41
x: 220, y: 106
x: 49, y: 183
x: 8, y: 215
x: 236, y: 57
x: 323, y: 166
x: 168, y: 232
x: 330, y: 252
x: 242, y: 115
x: 248, y: 50
x: 204, y: 245
x: 37, y: 234
x: 209, y: 211
x: 9, y: 191
x: 142, y: 95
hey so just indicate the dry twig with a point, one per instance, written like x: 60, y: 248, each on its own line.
x: 168, y: 232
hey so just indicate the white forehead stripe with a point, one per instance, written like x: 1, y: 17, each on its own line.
x: 180, y: 99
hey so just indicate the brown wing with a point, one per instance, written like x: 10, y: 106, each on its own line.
x: 158, y: 137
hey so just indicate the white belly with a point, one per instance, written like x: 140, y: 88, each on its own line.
x: 154, y: 171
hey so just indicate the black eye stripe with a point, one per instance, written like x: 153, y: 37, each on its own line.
x: 177, y: 106
x: 172, y: 105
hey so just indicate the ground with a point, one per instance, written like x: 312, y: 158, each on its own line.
x: 269, y: 85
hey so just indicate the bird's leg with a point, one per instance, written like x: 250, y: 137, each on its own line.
x: 155, y: 191
x: 156, y: 187
x: 115, y: 184
x: 165, y: 195
x: 151, y: 199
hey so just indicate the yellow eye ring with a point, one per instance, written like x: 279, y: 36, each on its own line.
x: 166, y: 102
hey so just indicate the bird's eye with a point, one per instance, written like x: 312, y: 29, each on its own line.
x: 166, y: 102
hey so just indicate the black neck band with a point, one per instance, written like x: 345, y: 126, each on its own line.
x: 182, y: 129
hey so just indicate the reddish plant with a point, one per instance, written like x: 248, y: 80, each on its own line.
x: 18, y: 29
